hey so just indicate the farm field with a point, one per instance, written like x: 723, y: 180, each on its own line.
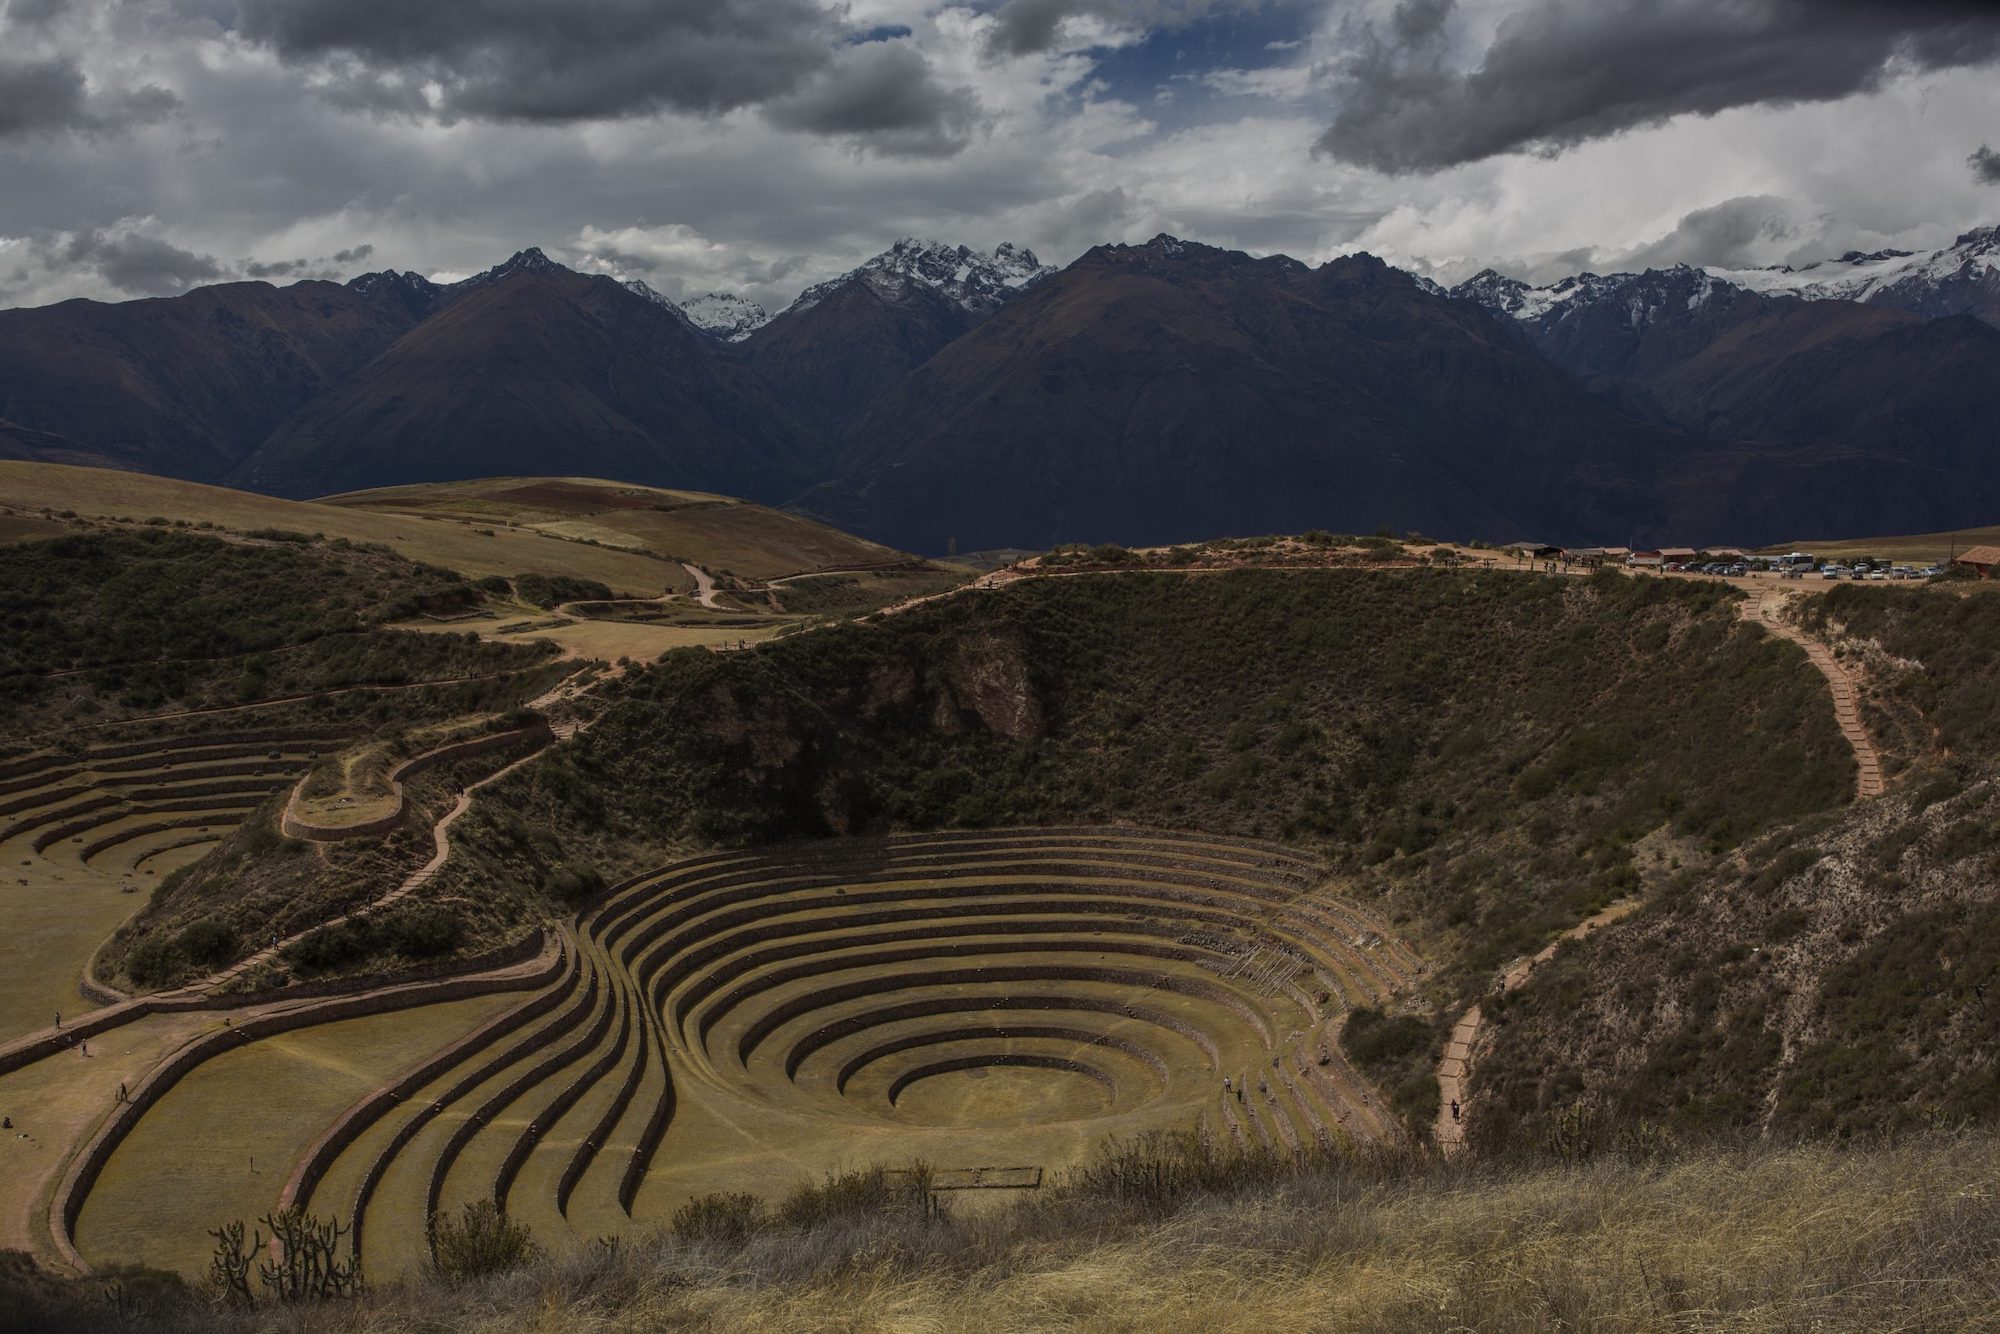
x: 610, y: 640
x: 219, y: 1145
x: 718, y: 532
x: 978, y: 1002
x: 55, y: 917
x: 57, y: 1102
x: 1928, y: 548
x: 898, y: 909
x: 102, y: 493
x: 85, y: 838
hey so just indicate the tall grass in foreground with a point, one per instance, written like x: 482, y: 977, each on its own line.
x: 1905, y: 1237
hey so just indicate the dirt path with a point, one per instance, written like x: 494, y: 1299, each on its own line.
x: 1766, y: 608
x: 704, y: 586
x: 269, y: 703
x: 1454, y: 1074
x: 567, y: 689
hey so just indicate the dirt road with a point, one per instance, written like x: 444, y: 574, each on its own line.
x: 704, y: 586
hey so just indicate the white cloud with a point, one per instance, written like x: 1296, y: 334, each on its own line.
x: 257, y: 167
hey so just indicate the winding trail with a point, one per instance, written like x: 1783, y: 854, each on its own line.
x: 1455, y: 1069
x: 1766, y: 608
x: 704, y: 586
x: 564, y: 690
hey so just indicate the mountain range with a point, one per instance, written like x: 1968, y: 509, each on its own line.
x: 1144, y: 393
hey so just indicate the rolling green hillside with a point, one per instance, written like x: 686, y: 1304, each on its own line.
x: 1481, y: 753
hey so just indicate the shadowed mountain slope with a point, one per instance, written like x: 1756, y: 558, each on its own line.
x: 1715, y: 360
x: 847, y: 341
x: 187, y: 385
x: 542, y: 372
x: 1168, y: 391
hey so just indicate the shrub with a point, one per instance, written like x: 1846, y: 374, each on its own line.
x: 574, y: 883
x: 480, y: 1240
x: 424, y: 932
x: 855, y: 1195
x: 722, y: 1220
x: 153, y: 963
x: 335, y: 945
x: 546, y: 590
x: 208, y: 942
x: 1372, y: 1039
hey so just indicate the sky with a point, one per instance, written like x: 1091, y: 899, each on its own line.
x: 758, y: 146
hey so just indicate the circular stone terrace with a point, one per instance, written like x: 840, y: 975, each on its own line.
x: 993, y: 1004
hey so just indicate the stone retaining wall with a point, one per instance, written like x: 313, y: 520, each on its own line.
x: 296, y: 827
x: 67, y: 1205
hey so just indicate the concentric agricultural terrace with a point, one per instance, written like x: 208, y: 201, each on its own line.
x: 990, y: 1003
x: 80, y: 833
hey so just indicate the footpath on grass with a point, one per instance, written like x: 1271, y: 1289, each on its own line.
x: 1767, y: 608
x: 568, y: 689
x: 1454, y: 1073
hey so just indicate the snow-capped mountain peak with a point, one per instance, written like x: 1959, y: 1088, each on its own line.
x: 726, y: 315
x: 1959, y: 279
x: 639, y: 288
x: 978, y: 282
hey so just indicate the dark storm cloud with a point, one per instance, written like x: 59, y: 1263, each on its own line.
x: 1024, y: 27
x: 40, y: 95
x: 31, y: 13
x: 549, y: 60
x: 324, y: 267
x: 143, y: 265
x: 49, y: 95
x: 885, y: 95
x: 1028, y: 27
x: 1985, y: 164
x: 1562, y: 72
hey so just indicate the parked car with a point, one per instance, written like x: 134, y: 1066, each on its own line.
x: 1833, y: 572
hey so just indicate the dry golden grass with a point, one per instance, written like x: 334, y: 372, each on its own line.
x: 719, y: 532
x: 470, y: 549
x: 28, y: 527
x: 1924, y: 547
x: 1814, y: 1238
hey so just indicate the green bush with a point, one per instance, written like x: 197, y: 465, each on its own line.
x: 853, y: 1195
x: 423, y: 932
x: 208, y: 942
x: 722, y: 1220
x: 1373, y: 1040
x: 153, y: 963
x: 479, y: 1241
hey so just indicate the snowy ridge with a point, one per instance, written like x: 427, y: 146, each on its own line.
x: 726, y: 315
x: 1858, y: 277
x: 638, y: 288
x: 1962, y: 278
x: 978, y: 282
